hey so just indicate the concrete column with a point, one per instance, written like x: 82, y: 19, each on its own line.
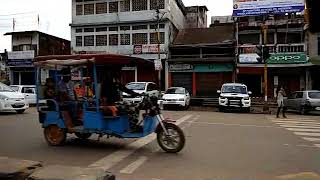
x: 308, y: 80
x: 166, y: 74
x: 194, y: 84
x: 20, y: 78
x: 136, y: 74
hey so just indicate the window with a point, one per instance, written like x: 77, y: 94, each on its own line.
x: 88, y: 29
x: 28, y: 90
x: 101, y: 8
x: 113, y: 28
x: 156, y: 4
x: 89, y: 40
x: 113, y: 40
x: 299, y: 95
x: 152, y: 87
x: 289, y: 38
x: 88, y: 9
x: 78, y: 41
x: 154, y: 38
x: 125, y: 5
x: 113, y: 7
x: 124, y: 28
x: 79, y: 30
x: 249, y: 38
x: 102, y: 29
x: 139, y: 5
x: 318, y: 45
x: 101, y: 40
x: 125, y: 39
x: 79, y: 10
x: 140, y: 38
x: 155, y: 26
x: 139, y: 27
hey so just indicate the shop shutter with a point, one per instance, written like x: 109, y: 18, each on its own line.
x: 209, y: 83
x: 182, y: 80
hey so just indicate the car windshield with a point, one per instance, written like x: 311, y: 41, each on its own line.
x: 175, y: 91
x: 15, y: 88
x: 5, y: 88
x: 234, y: 89
x: 314, y: 95
x: 136, y: 86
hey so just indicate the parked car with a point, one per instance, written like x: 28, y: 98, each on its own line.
x: 11, y: 100
x: 303, y: 101
x: 141, y: 87
x: 176, y: 96
x: 29, y: 92
x: 235, y: 96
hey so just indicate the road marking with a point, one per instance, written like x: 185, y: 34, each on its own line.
x: 117, y: 156
x: 241, y: 125
x: 295, y: 122
x: 311, y: 139
x: 303, y: 130
x: 299, y: 126
x: 133, y: 166
x: 307, y: 134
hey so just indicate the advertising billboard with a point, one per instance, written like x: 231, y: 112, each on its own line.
x: 264, y: 7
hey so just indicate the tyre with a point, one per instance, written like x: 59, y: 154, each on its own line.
x: 221, y: 109
x: 303, y: 110
x: 54, y: 135
x: 20, y: 111
x: 174, y: 142
x: 83, y: 135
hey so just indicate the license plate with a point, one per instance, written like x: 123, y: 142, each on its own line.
x: 19, y: 104
x: 171, y: 102
x: 318, y: 108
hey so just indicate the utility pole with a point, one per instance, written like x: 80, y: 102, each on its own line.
x: 265, y: 60
x: 158, y: 40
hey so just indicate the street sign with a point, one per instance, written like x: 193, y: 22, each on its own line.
x: 265, y: 7
x: 158, y: 64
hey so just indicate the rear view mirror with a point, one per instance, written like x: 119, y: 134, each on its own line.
x: 218, y: 91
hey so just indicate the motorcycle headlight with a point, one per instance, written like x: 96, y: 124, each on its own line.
x: 246, y: 98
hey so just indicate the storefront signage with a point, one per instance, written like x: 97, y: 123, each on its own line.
x: 180, y: 67
x: 145, y: 49
x: 261, y: 7
x: 128, y: 68
x: 280, y: 58
x: 21, y: 55
x: 293, y: 58
x: 19, y: 63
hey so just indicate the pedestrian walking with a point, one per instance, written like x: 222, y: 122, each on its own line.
x: 280, y: 98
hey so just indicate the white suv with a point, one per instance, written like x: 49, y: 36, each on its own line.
x: 234, y: 95
x: 149, y: 88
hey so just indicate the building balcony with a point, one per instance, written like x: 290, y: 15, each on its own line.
x: 279, y: 48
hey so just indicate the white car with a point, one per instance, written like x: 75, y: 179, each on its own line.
x: 29, y: 91
x: 141, y: 87
x: 176, y: 96
x: 11, y: 100
x: 235, y: 96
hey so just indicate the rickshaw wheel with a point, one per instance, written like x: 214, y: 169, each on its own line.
x: 54, y: 135
x: 83, y: 135
x: 174, y: 142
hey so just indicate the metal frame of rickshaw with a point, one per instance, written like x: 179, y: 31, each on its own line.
x: 93, y: 121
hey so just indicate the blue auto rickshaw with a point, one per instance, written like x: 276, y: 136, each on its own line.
x: 93, y: 119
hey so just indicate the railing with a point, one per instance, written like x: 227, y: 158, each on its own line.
x: 280, y: 48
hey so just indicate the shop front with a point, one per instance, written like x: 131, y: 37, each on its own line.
x: 201, y: 80
x: 289, y: 70
x: 21, y: 67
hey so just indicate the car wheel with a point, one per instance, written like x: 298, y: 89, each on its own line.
x: 20, y: 111
x: 303, y: 110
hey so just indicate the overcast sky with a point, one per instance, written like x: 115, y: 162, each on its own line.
x: 55, y: 16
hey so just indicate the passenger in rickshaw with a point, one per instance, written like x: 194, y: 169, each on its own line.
x: 67, y: 98
x: 50, y: 93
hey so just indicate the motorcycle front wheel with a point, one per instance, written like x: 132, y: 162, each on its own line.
x: 174, y: 141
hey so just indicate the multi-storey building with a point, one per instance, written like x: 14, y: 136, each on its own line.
x: 288, y: 65
x: 25, y: 46
x: 127, y: 27
x: 196, y: 17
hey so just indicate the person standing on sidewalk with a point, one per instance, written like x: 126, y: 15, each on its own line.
x: 280, y: 100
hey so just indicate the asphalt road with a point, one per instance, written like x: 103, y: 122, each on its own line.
x: 219, y: 146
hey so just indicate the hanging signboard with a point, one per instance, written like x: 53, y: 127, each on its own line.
x: 264, y: 7
x: 279, y: 58
x: 158, y: 64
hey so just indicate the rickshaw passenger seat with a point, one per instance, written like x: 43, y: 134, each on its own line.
x: 109, y: 110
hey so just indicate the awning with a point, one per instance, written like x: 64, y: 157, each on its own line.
x: 315, y: 60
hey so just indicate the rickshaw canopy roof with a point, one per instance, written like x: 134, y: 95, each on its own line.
x: 82, y: 59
